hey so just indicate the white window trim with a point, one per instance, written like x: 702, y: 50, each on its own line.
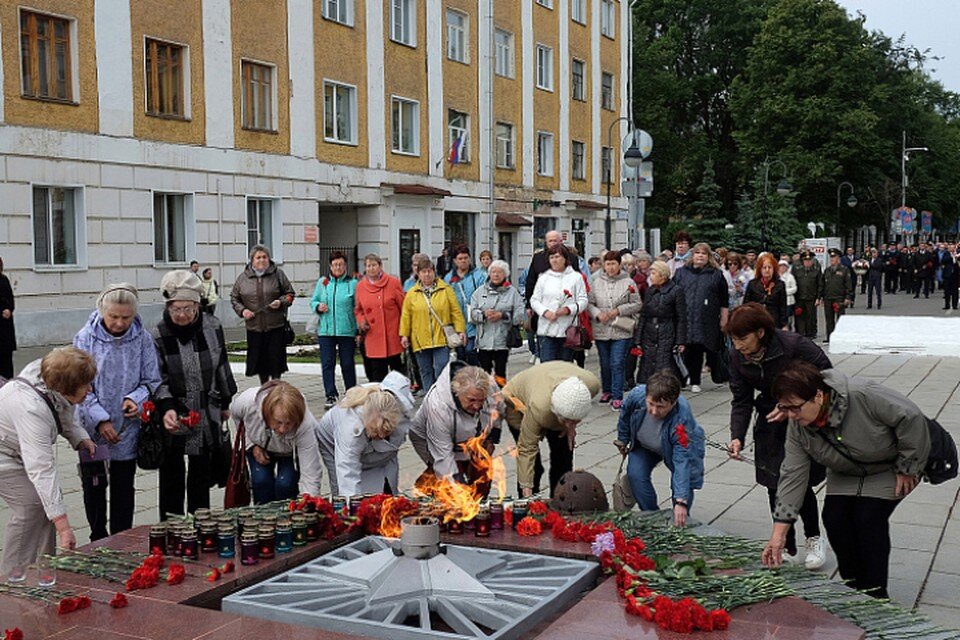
x: 582, y: 3
x: 274, y: 115
x: 466, y: 136
x: 545, y: 165
x: 416, y: 126
x: 412, y: 7
x: 513, y: 146
x: 189, y: 228
x: 613, y: 91
x: 74, y: 53
x: 350, y: 13
x: 79, y: 207
x: 276, y: 225
x: 185, y: 90
x: 583, y: 80
x: 547, y: 4
x: 353, y: 141
x: 611, y: 25
x: 549, y: 50
x: 466, y: 36
x: 573, y: 161
x: 511, y: 58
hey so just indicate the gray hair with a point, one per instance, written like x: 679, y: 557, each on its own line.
x: 642, y: 255
x: 257, y: 248
x: 662, y: 268
x: 382, y: 411
x: 121, y: 293
x: 502, y: 265
x: 470, y: 378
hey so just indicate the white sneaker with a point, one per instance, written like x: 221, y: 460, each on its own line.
x: 795, y: 559
x: 695, y: 389
x: 816, y: 553
x: 532, y: 358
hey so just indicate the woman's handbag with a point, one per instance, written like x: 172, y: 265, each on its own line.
x: 288, y: 333
x: 623, y: 499
x: 150, y: 442
x: 237, y: 493
x: 449, y: 331
x: 576, y: 337
x: 681, y: 366
x: 625, y: 323
x: 514, y: 338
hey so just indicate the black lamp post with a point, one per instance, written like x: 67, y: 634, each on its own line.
x: 632, y: 157
x: 783, y: 188
x: 851, y: 202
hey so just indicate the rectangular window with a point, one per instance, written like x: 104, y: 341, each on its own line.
x: 544, y: 67
x: 339, y: 11
x: 606, y: 155
x: 545, y: 3
x: 406, y: 126
x: 46, y: 62
x: 256, y: 103
x: 457, y: 36
x: 403, y: 22
x: 504, y: 53
x: 505, y: 143
x: 578, y: 11
x: 164, y: 77
x: 544, y: 153
x: 606, y: 91
x: 578, y: 161
x: 608, y: 18
x: 458, y: 124
x: 577, y: 82
x: 260, y: 224
x: 541, y: 226
x: 169, y: 228
x: 339, y: 113
x: 55, y: 226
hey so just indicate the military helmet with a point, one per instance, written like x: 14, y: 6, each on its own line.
x: 579, y: 492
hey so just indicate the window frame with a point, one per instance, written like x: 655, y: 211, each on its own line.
x: 148, y: 80
x: 408, y: 9
x: 582, y: 4
x: 544, y: 68
x: 604, y: 93
x: 576, y: 174
x: 581, y: 95
x: 347, y: 9
x: 71, y: 83
x: 464, y: 35
x: 189, y: 227
x: 509, y: 48
x: 276, y: 226
x: 79, y: 228
x: 510, y: 151
x: 608, y: 19
x: 354, y: 132
x: 546, y: 4
x: 273, y: 116
x: 545, y: 160
x: 465, y: 129
x: 415, y: 135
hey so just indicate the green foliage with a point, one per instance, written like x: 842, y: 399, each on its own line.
x: 708, y: 224
x: 766, y: 222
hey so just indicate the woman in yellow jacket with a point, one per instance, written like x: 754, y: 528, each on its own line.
x: 429, y: 306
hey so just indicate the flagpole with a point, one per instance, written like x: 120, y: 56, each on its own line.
x: 492, y: 62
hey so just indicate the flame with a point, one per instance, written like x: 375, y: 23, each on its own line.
x: 392, y: 511
x: 457, y: 501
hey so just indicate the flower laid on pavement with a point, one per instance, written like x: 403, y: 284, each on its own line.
x: 119, y: 601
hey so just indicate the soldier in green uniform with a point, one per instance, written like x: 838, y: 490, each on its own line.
x: 809, y: 294
x: 837, y: 291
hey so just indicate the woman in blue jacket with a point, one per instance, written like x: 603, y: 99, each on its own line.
x: 655, y: 425
x: 333, y: 301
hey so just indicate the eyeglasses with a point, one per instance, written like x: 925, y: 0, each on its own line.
x: 791, y: 408
x: 181, y: 311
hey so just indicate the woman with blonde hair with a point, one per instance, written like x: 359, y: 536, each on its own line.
x: 708, y: 302
x: 360, y: 437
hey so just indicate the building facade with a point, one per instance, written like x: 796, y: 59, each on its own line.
x: 138, y: 135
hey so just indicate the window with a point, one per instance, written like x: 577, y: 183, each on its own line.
x: 406, y: 126
x: 56, y: 226
x: 608, y: 18
x: 544, y: 153
x: 169, y: 228
x: 545, y: 3
x: 578, y: 171
x: 544, y: 67
x: 542, y: 225
x: 403, y: 22
x: 577, y: 68
x: 505, y: 146
x: 606, y: 155
x: 46, y: 59
x: 504, y: 53
x: 458, y: 125
x: 164, y: 78
x: 339, y: 11
x: 457, y: 36
x: 256, y: 103
x: 260, y: 225
x: 578, y: 11
x: 339, y: 113
x: 606, y: 91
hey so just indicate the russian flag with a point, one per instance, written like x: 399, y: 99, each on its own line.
x: 455, y: 148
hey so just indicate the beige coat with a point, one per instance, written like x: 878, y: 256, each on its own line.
x: 607, y: 294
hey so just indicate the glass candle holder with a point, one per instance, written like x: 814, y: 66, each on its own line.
x: 189, y: 546
x: 46, y: 572
x: 267, y: 542
x: 481, y: 523
x: 269, y: 519
x: 299, y: 522
x: 520, y: 508
x: 313, y: 526
x: 249, y: 548
x: 227, y: 541
x: 339, y: 505
x: 208, y: 537
x: 174, y: 541
x: 158, y: 538
x: 496, y: 516
x: 201, y: 514
x: 355, y: 504
x: 284, y: 536
x: 455, y: 527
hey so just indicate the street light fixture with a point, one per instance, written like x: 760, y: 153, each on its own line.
x: 783, y: 188
x: 851, y: 201
x: 632, y: 157
x: 904, y: 156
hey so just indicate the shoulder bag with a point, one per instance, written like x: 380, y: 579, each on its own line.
x: 237, y: 491
x: 151, y: 440
x: 449, y: 331
x: 623, y: 499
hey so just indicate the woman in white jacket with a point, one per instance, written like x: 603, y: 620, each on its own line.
x: 278, y: 427
x: 559, y: 296
x: 791, y: 284
x: 359, y: 438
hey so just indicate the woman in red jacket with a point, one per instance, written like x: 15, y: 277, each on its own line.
x: 379, y: 300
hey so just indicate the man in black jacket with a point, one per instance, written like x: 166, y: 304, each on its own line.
x: 890, y: 269
x: 950, y: 276
x: 539, y: 264
x: 875, y: 279
x: 925, y: 265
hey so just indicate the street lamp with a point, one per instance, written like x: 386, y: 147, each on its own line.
x: 851, y: 201
x: 632, y: 157
x: 783, y: 188
x: 904, y: 156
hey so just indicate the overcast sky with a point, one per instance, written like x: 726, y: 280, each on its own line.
x: 928, y: 24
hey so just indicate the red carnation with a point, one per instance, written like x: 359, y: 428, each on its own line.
x: 176, y: 574
x: 13, y: 634
x: 537, y: 508
x: 119, y: 601
x: 190, y: 420
x: 567, y: 293
x: 229, y: 567
x: 326, y: 281
x: 146, y: 411
x: 529, y: 527
x: 636, y: 352
x: 213, y: 575
x: 798, y: 311
x: 720, y: 619
x: 83, y: 602
x: 836, y: 307
x: 631, y: 289
x: 455, y: 279
x: 67, y: 605
x: 682, y: 438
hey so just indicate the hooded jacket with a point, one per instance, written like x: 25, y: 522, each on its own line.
x: 339, y: 294
x: 607, y: 294
x: 492, y: 336
x: 126, y: 368
x: 421, y: 325
x: 257, y: 292
x: 355, y: 463
x: 464, y: 287
x: 554, y: 290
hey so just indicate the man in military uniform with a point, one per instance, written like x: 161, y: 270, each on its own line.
x: 837, y: 291
x: 905, y: 264
x: 890, y: 269
x: 924, y: 264
x: 809, y: 294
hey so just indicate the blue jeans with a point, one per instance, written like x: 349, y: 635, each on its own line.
x: 532, y: 342
x: 329, y: 346
x: 640, y: 465
x: 267, y: 487
x: 468, y: 352
x: 552, y: 349
x: 432, y: 362
x: 613, y: 354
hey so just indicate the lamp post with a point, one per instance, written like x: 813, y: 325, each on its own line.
x: 851, y: 202
x: 783, y: 188
x: 904, y: 156
x: 631, y: 157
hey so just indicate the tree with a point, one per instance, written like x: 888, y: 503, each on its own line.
x: 708, y: 224
x: 766, y: 222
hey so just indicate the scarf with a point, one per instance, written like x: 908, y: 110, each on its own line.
x: 824, y: 416
x: 767, y: 284
x: 183, y: 334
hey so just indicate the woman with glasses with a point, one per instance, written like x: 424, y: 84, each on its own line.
x: 760, y: 352
x: 874, y: 443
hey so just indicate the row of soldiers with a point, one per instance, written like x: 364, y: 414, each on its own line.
x: 911, y: 268
x: 832, y: 288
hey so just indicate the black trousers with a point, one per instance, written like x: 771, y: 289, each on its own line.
x: 874, y: 285
x: 890, y: 281
x: 494, y: 361
x: 693, y: 356
x: 6, y: 364
x: 561, y: 457
x: 808, y: 513
x: 378, y: 368
x: 173, y: 484
x: 859, y: 532
x: 120, y: 480
x: 950, y: 293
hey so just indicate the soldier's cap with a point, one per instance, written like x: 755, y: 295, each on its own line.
x: 806, y: 255
x: 834, y: 252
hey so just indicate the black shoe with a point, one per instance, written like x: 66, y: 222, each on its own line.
x: 869, y: 306
x: 331, y: 400
x: 946, y: 308
x: 916, y: 296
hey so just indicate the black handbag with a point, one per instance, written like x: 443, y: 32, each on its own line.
x: 514, y: 337
x: 150, y: 442
x: 682, y: 373
x: 288, y: 333
x: 221, y: 457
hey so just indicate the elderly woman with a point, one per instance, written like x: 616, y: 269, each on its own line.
x: 279, y: 428
x: 494, y: 308
x: 194, y: 376
x: 874, y: 443
x: 760, y: 352
x: 360, y: 437
x: 8, y: 334
x: 379, y: 302
x: 768, y: 289
x: 558, y: 298
x: 430, y: 306
x: 127, y: 374
x: 614, y: 302
x: 790, y: 284
x: 657, y: 425
x: 34, y: 409
x: 461, y: 405
x: 708, y: 300
x: 663, y: 322
x: 333, y: 300
x: 261, y: 296
x: 738, y: 277
x: 547, y: 401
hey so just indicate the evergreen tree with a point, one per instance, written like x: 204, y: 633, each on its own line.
x: 767, y: 222
x: 709, y: 223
